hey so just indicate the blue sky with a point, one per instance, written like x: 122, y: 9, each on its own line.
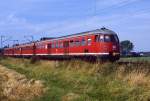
x: 129, y: 18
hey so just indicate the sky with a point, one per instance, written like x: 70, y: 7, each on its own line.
x: 130, y: 19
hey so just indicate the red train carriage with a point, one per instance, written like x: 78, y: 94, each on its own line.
x: 102, y: 43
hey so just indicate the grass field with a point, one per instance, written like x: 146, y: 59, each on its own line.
x: 83, y: 81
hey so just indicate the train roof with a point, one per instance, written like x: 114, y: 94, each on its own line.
x: 96, y: 31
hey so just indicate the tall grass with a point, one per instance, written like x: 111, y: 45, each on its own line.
x: 83, y: 81
x: 16, y: 87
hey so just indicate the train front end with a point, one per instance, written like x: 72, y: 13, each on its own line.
x: 108, y: 45
x: 113, y: 44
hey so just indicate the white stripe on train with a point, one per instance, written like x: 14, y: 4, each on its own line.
x: 62, y: 54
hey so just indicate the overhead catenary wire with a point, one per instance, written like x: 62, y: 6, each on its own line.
x: 4, y: 39
x: 29, y: 38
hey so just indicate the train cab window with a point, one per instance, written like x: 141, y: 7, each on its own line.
x: 89, y: 41
x: 101, y: 38
x: 107, y: 38
x: 114, y: 38
x: 83, y: 42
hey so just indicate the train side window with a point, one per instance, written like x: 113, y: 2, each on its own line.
x: 83, y: 42
x: 57, y: 45
x: 71, y: 43
x: 61, y: 45
x: 89, y: 41
x: 96, y: 38
x: 53, y: 45
x: 77, y: 42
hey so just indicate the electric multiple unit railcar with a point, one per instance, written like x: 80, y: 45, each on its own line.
x: 100, y: 43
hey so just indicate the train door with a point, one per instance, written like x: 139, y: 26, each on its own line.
x: 34, y: 49
x: 13, y: 51
x: 20, y: 50
x: 66, y: 47
x: 49, y: 46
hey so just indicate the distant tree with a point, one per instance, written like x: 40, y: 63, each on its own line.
x: 126, y: 46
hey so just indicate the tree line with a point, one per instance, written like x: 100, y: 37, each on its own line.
x: 126, y: 47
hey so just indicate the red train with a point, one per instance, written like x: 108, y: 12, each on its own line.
x: 100, y: 43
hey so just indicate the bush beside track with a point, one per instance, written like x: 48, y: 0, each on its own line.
x: 83, y: 81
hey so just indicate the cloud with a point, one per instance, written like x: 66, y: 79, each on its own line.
x: 16, y: 25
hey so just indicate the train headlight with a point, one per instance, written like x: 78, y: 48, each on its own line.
x: 114, y: 47
x: 115, y: 54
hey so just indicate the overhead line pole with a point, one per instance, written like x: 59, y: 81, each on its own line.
x: 2, y: 41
